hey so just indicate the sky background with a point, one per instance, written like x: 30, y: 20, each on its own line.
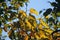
x: 36, y: 4
x: 39, y: 4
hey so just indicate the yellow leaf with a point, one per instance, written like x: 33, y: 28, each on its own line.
x: 35, y: 24
x: 44, y: 23
x: 5, y: 28
x: 56, y: 34
x: 36, y: 36
x: 42, y: 35
x: 29, y: 25
x: 0, y: 31
x: 33, y: 11
x: 26, y: 37
x: 47, y: 16
x: 22, y: 12
x: 48, y: 30
x: 40, y: 26
x: 10, y: 32
x: 31, y: 18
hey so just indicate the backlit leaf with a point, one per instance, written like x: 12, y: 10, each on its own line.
x: 33, y: 11
x: 44, y: 23
x: 26, y: 37
x: 48, y: 30
x: 0, y: 31
x: 40, y: 26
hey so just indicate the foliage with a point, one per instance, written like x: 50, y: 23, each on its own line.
x: 25, y: 27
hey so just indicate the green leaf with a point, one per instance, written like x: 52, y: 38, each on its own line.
x: 2, y: 1
x: 0, y: 31
x: 40, y: 12
x: 3, y: 4
x: 6, y: 17
x: 51, y: 20
x: 0, y: 23
x: 53, y: 14
x: 57, y: 1
x: 1, y: 11
x: 9, y: 11
x: 58, y: 14
x: 54, y: 4
x: 47, y: 12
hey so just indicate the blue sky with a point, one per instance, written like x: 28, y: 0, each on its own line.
x: 39, y: 4
x: 36, y: 4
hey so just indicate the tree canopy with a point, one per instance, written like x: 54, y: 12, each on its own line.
x: 25, y: 27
